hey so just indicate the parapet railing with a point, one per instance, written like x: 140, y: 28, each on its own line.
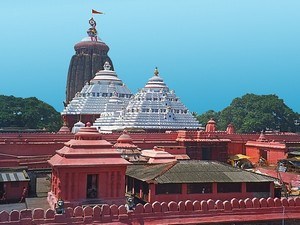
x: 250, y: 209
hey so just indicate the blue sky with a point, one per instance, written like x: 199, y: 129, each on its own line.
x: 208, y: 51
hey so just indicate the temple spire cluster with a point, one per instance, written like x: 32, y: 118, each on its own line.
x: 105, y: 99
x: 155, y: 107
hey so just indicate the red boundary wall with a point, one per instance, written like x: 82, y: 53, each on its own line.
x: 188, y: 212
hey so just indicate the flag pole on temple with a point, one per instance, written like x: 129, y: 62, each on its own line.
x: 96, y: 12
x: 92, y: 32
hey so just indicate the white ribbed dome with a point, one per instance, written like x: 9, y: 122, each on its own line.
x: 156, y: 81
x: 100, y: 95
x: 153, y: 107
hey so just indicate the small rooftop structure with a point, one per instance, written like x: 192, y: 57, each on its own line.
x: 211, y: 126
x: 77, y: 126
x: 230, y: 129
x: 85, y: 168
x: 194, y: 180
x: 262, y: 137
x: 194, y: 171
x: 64, y: 129
x: 128, y: 150
x: 268, y: 151
x: 157, y: 156
x: 178, y: 151
x: 13, y: 181
x: 125, y: 141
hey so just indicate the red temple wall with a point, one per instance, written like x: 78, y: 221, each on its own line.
x: 193, y: 212
x: 253, y: 153
x: 42, y: 144
x: 236, y: 148
x: 39, y: 147
x: 273, y: 154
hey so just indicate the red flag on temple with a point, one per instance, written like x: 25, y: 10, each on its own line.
x: 96, y: 12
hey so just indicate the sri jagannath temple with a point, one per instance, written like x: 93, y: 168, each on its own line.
x: 107, y: 99
x: 142, y: 158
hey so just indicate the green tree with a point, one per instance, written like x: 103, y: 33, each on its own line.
x: 205, y: 117
x: 28, y: 113
x: 254, y: 113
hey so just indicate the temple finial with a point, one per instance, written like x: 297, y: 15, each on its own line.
x: 106, y: 66
x: 156, y: 71
x: 92, y: 32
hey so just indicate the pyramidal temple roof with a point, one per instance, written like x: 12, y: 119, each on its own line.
x: 88, y: 149
x: 154, y: 107
x: 104, y: 93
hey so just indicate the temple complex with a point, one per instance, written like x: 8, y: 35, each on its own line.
x: 154, y: 108
x: 106, y: 99
x: 90, y: 56
x: 147, y: 146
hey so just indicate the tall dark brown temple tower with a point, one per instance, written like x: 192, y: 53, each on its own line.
x: 90, y: 56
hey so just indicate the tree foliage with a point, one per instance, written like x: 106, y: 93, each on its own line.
x: 254, y: 113
x: 28, y: 113
x: 210, y: 114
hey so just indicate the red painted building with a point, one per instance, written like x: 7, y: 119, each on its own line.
x: 269, y: 151
x: 87, y: 170
x: 12, y: 184
x: 34, y: 149
x: 195, y: 180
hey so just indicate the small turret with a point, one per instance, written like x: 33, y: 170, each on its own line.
x: 262, y: 137
x: 88, y: 133
x: 64, y: 129
x: 210, y: 126
x: 230, y: 129
x: 125, y: 141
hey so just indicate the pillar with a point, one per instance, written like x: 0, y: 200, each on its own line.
x: 151, y: 196
x: 140, y: 191
x: 107, y: 182
x: 184, y: 189
x: 111, y: 184
x: 76, y: 186
x: 244, y: 188
x: 120, y: 185
x: 214, y: 188
x: 272, y: 189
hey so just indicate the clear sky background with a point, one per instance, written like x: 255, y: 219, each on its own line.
x: 208, y: 51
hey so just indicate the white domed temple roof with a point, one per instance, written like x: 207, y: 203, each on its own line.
x: 154, y: 107
x: 104, y: 93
